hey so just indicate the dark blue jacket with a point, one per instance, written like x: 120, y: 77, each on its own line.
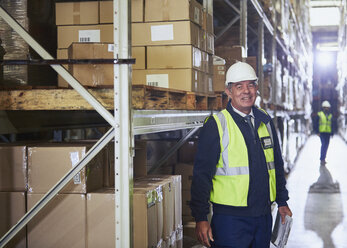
x: 205, y: 166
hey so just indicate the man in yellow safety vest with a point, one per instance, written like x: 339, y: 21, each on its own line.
x: 238, y: 169
x: 324, y: 129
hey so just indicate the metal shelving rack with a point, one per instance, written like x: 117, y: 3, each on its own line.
x: 125, y: 123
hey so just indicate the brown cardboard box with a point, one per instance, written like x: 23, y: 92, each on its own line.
x: 174, y: 57
x: 43, y: 175
x: 77, y: 13
x: 186, y: 172
x: 219, y: 74
x: 158, y: 187
x: 251, y: 61
x: 178, y: 10
x: 207, y: 22
x: 12, y: 209
x: 186, y: 153
x: 140, y: 162
x: 139, y: 54
x: 13, y: 168
x: 101, y: 218
x: 186, y: 197
x: 92, y: 74
x: 167, y: 186
x: 62, y: 223
x: 62, y: 54
x: 84, y: 33
x: 165, y: 33
x: 145, y: 218
x: 106, y: 11
x: 179, y: 79
x: 230, y: 54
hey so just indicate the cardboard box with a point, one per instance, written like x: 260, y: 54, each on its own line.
x: 62, y: 54
x: 13, y: 168
x: 101, y: 218
x: 186, y: 172
x: 145, y: 218
x: 207, y: 22
x: 178, y: 79
x: 139, y: 54
x: 158, y: 187
x: 106, y: 11
x: 165, y: 33
x: 174, y: 57
x: 77, y: 13
x: 252, y: 61
x: 12, y: 209
x: 92, y: 74
x: 186, y: 153
x: 178, y: 10
x: 230, y: 54
x: 219, y: 74
x: 139, y: 165
x: 186, y: 197
x: 62, y: 223
x: 166, y: 183
x: 84, y: 33
x: 48, y: 164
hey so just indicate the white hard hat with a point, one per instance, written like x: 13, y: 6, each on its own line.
x: 326, y: 104
x: 240, y: 71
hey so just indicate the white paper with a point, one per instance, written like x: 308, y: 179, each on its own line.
x: 162, y: 32
x: 89, y: 35
x: 74, y: 158
x: 158, y: 80
x: 110, y: 48
x: 196, y: 15
x: 280, y: 232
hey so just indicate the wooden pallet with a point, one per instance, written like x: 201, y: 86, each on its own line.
x: 150, y: 97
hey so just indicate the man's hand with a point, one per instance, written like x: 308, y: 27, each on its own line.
x: 284, y: 210
x: 204, y: 233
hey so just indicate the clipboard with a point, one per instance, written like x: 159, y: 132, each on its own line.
x: 280, y: 232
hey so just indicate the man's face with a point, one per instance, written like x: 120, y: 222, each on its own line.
x: 325, y: 109
x: 243, y: 95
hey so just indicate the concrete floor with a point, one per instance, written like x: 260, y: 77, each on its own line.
x: 318, y: 218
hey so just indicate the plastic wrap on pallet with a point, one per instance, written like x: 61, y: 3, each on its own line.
x: 14, y: 46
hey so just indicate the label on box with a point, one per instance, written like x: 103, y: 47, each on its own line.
x: 158, y: 80
x: 110, y: 48
x: 210, y: 85
x: 196, y: 15
x: 89, y: 35
x: 162, y: 32
x: 221, y: 68
x: 221, y: 72
x: 74, y: 158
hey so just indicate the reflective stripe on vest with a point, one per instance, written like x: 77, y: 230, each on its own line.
x: 324, y: 122
x: 231, y: 181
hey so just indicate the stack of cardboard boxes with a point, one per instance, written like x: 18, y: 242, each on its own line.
x: 83, y: 213
x: 172, y: 42
x: 177, y: 37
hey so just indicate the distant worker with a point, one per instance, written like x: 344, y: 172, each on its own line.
x: 323, y: 127
x: 239, y: 169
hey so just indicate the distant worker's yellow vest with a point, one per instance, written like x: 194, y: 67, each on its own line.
x: 231, y: 181
x: 324, y: 122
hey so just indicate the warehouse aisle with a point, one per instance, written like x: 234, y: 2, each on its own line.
x: 320, y: 219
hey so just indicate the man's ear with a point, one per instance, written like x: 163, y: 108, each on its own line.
x: 228, y: 92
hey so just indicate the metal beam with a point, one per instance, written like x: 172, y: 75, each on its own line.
x: 123, y: 127
x: 173, y: 149
x: 224, y: 30
x: 56, y: 188
x: 243, y: 25
x: 58, y: 68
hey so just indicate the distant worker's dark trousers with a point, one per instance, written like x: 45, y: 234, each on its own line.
x: 241, y: 232
x: 325, y: 139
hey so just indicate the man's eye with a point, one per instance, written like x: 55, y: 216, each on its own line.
x: 251, y: 86
x: 239, y: 87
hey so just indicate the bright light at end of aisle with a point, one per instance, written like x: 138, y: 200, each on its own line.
x: 324, y: 59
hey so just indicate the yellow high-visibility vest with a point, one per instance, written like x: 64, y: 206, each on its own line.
x: 324, y: 122
x: 231, y: 181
